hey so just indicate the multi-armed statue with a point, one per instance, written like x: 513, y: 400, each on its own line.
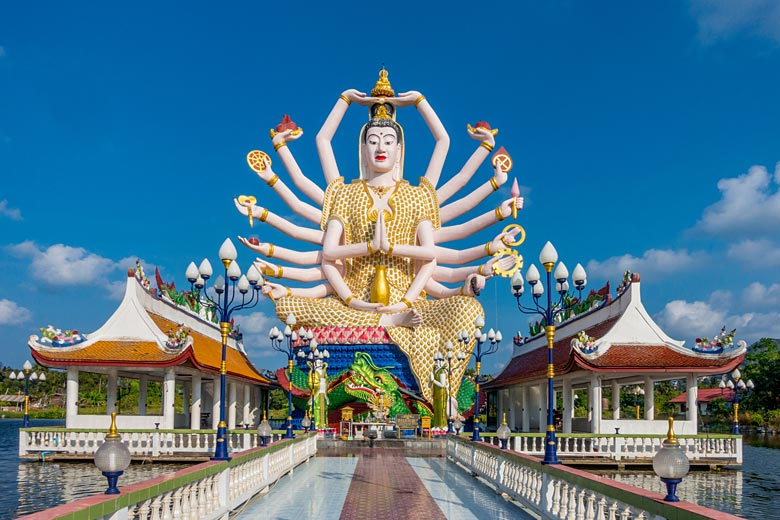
x: 379, y: 251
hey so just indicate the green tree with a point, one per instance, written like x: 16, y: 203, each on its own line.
x: 762, y: 364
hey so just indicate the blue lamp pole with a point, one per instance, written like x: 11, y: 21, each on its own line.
x: 224, y: 303
x: 28, y: 376
x: 549, y: 312
x: 736, y: 384
x: 288, y: 348
x: 478, y: 353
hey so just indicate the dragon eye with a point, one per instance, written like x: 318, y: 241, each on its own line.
x: 378, y: 379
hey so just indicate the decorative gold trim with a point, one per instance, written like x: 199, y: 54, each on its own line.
x: 460, y: 292
x: 487, y: 249
x: 280, y: 144
x: 406, y: 302
x: 270, y: 250
x: 289, y: 292
x: 494, y: 183
x: 499, y: 215
x: 487, y: 146
x: 272, y: 181
x: 418, y: 100
x: 370, y: 249
x: 279, y: 272
x: 345, y: 99
x: 519, y: 240
x: 390, y: 250
x: 264, y: 215
x: 506, y: 273
x: 479, y: 271
x: 349, y: 299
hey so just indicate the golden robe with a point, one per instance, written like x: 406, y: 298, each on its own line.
x: 352, y: 204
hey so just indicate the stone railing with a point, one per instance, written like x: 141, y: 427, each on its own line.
x: 709, y: 448
x: 210, y: 490
x: 40, y: 442
x: 560, y: 492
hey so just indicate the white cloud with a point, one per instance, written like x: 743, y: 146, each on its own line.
x: 12, y: 213
x: 685, y: 320
x: 755, y: 253
x: 758, y: 295
x: 61, y: 265
x: 722, y: 19
x: 11, y: 313
x: 653, y: 262
x: 749, y: 205
x: 255, y: 327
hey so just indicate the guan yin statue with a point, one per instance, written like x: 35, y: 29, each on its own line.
x: 377, y: 270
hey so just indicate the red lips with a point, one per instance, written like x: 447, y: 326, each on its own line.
x: 381, y: 157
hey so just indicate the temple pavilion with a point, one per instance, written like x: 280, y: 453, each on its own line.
x: 163, y: 337
x: 613, y: 344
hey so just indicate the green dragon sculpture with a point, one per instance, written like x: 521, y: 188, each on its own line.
x: 372, y: 384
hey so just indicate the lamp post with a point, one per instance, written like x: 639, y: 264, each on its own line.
x: 639, y: 393
x: 309, y: 352
x: 503, y: 433
x: 286, y: 347
x: 736, y: 383
x: 671, y: 464
x: 549, y: 312
x: 29, y: 377
x: 481, y: 338
x: 450, y: 357
x: 264, y: 431
x: 225, y: 303
x: 112, y: 457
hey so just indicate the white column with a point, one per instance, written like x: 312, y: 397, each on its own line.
x: 692, y: 413
x: 595, y: 403
x: 615, y: 400
x: 649, y: 399
x: 216, y: 393
x: 169, y: 398
x: 143, y: 393
x: 568, y: 406
x: 246, y: 415
x: 524, y: 408
x: 111, y: 392
x: 231, y: 406
x: 196, y: 402
x: 543, y: 407
x: 72, y: 398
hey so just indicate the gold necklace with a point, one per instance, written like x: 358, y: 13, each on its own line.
x: 381, y: 190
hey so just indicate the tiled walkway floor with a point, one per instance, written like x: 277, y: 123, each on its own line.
x: 381, y: 484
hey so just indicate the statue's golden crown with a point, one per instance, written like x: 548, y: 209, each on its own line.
x: 381, y: 113
x: 382, y: 87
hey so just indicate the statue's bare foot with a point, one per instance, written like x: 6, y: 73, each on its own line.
x: 409, y: 319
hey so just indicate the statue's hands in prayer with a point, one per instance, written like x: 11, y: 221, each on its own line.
x: 261, y: 247
x: 405, y: 99
x: 274, y: 290
x: 384, y: 242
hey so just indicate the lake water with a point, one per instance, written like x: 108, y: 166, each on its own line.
x: 27, y: 487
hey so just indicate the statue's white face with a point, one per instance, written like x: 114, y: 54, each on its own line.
x: 382, y: 149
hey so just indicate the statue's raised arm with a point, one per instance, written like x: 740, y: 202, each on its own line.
x: 435, y: 165
x: 324, y: 148
x: 287, y: 132
x: 487, y: 141
x: 285, y: 226
x: 261, y: 165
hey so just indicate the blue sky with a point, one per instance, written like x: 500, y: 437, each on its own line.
x: 645, y: 136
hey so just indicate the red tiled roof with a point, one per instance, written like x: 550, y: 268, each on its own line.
x: 705, y: 395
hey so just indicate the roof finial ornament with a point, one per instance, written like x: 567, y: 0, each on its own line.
x: 382, y: 88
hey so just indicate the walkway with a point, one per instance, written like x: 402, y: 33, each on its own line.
x: 381, y: 483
